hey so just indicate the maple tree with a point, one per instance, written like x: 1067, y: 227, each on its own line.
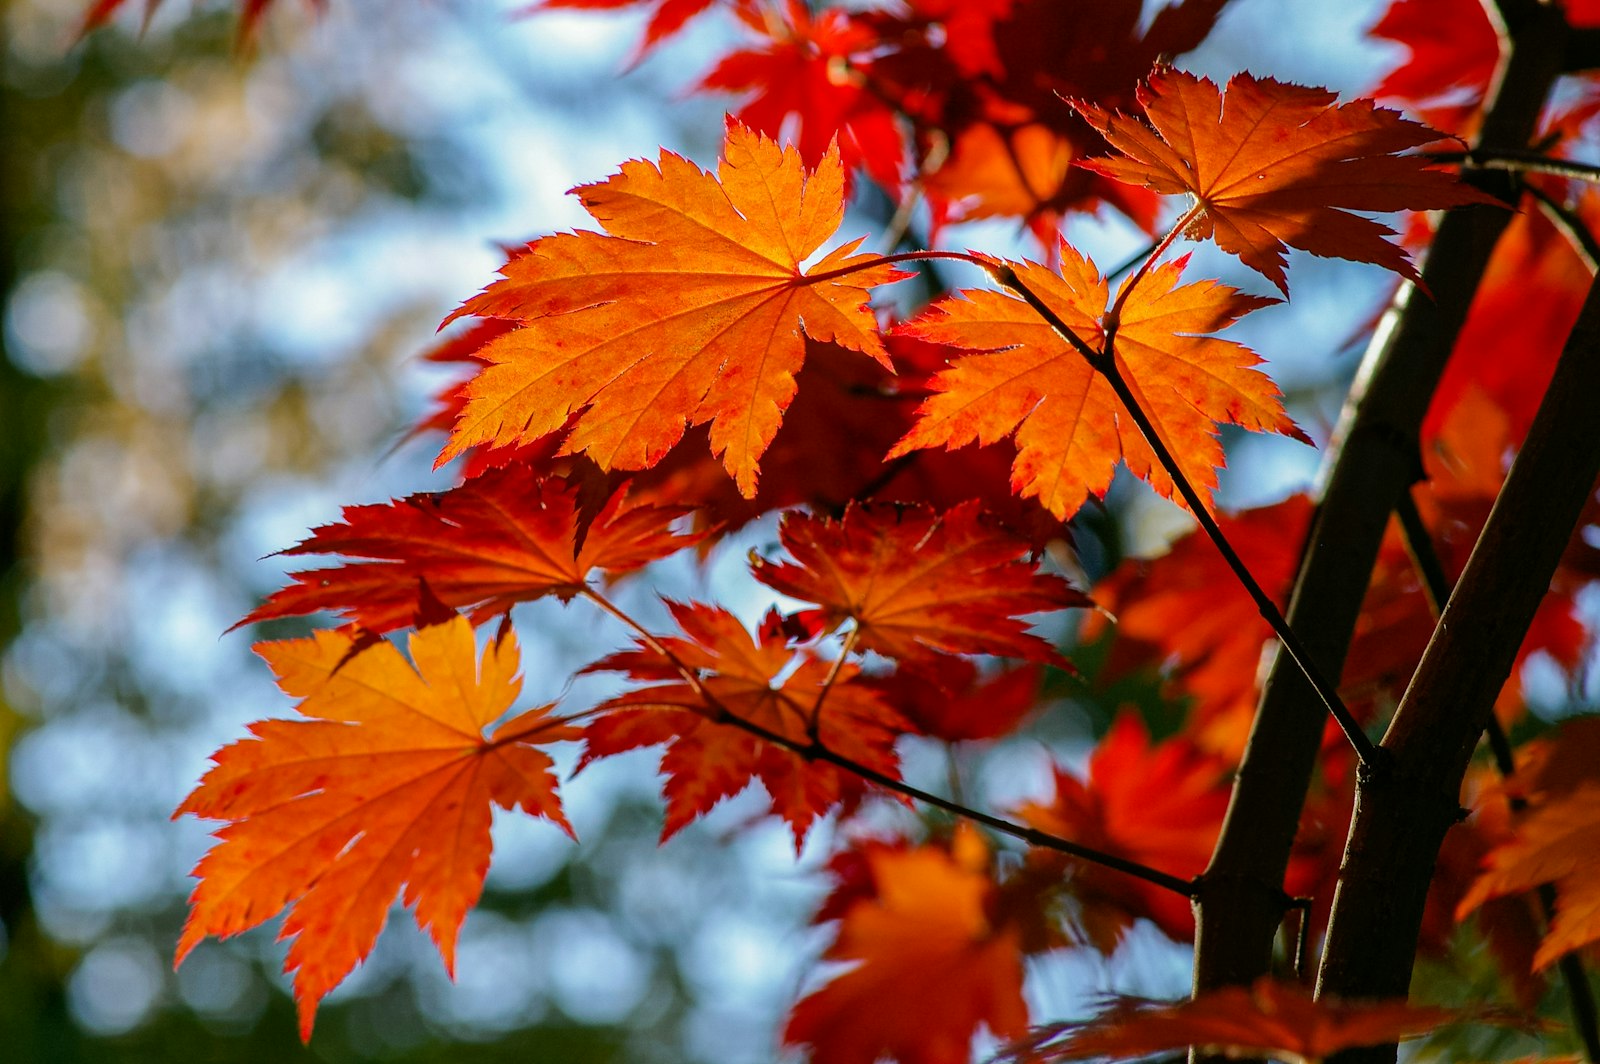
x: 714, y: 358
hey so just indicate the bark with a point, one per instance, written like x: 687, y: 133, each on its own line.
x: 1375, y: 458
x: 1403, y: 813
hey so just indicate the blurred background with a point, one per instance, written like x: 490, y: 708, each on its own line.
x: 218, y: 268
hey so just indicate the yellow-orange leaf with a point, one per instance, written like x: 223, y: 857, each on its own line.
x: 1271, y: 164
x: 689, y: 311
x: 932, y: 963
x: 1269, y: 1018
x: 1069, y: 427
x: 389, y: 785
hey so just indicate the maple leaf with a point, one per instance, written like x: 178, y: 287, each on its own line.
x: 1270, y: 164
x: 915, y: 581
x: 389, y: 785
x: 1267, y: 1018
x: 1069, y: 426
x: 505, y: 536
x: 1554, y: 843
x: 1184, y: 613
x: 1454, y: 49
x: 946, y: 697
x: 667, y: 18
x: 1158, y: 804
x: 804, y: 69
x: 689, y: 311
x: 736, y: 676
x: 932, y: 961
x: 1525, y: 306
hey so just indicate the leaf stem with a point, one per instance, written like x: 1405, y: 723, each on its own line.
x: 1114, y: 316
x: 1567, y: 220
x: 1105, y: 364
x: 814, y: 749
x: 834, y: 669
x: 890, y: 260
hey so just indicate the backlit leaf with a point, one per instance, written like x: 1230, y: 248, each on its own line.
x: 689, y: 311
x: 1272, y: 1018
x: 932, y: 963
x: 1270, y: 164
x: 388, y: 786
x: 914, y: 581
x: 1069, y: 427
x: 758, y: 680
x: 503, y: 537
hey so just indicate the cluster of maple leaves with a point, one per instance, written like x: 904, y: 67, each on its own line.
x: 711, y: 356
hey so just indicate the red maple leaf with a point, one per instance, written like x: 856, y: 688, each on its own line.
x: 1270, y: 164
x: 948, y: 698
x: 914, y: 581
x: 1158, y: 804
x: 806, y: 69
x: 505, y: 536
x: 1271, y: 1018
x: 932, y: 963
x: 697, y: 685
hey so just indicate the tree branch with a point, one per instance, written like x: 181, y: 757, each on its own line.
x: 1436, y: 585
x: 1400, y: 820
x: 813, y: 749
x: 1374, y: 458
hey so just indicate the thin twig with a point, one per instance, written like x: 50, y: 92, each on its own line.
x: 813, y: 726
x: 815, y: 750
x: 1567, y: 220
x: 1436, y: 586
x: 1518, y: 161
x: 1114, y: 316
x: 1144, y: 254
x: 1107, y: 368
x: 1302, y: 934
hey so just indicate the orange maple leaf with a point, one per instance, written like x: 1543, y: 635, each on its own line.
x: 689, y: 311
x: 914, y: 581
x: 1267, y: 1018
x: 932, y: 962
x: 389, y: 784
x: 1271, y: 164
x: 736, y: 676
x: 1557, y: 842
x: 1069, y: 426
x: 506, y: 536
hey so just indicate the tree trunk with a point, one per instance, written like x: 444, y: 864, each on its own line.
x: 1375, y: 457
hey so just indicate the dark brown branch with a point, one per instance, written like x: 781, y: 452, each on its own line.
x: 1400, y: 819
x: 1436, y: 586
x: 813, y: 749
x: 1582, y: 51
x: 1104, y: 364
x: 1374, y: 459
